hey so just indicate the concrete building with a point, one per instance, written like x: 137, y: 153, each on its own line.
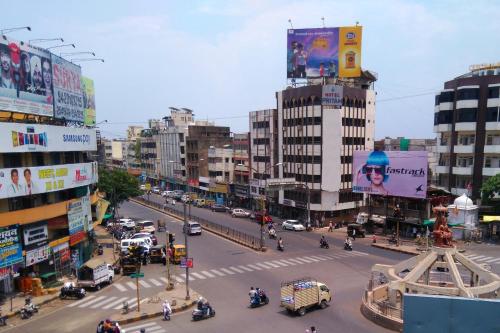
x: 242, y: 164
x: 316, y: 144
x: 466, y: 120
x: 117, y: 160
x: 220, y: 170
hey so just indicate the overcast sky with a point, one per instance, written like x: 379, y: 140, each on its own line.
x: 225, y: 58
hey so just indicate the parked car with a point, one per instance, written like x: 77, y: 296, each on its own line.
x: 127, y: 223
x: 218, y: 208
x: 146, y: 234
x: 258, y: 217
x: 147, y: 226
x: 178, y: 194
x: 238, y: 212
x: 293, y: 225
x: 192, y: 228
x: 125, y: 243
x: 156, y: 190
x: 142, y: 187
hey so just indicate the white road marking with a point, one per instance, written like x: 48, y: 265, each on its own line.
x: 291, y: 263
x: 254, y: 267
x: 246, y: 268
x: 164, y: 279
x: 217, y: 272
x: 98, y: 304
x: 132, y: 303
x: 91, y: 301
x: 138, y: 327
x: 476, y: 257
x: 493, y: 261
x: 156, y: 329
x: 131, y: 285
x: 119, y: 287
x: 207, y: 273
x: 83, y: 300
x: 155, y: 282
x: 178, y: 278
x: 297, y: 261
x: 114, y: 303
x: 318, y: 257
x: 305, y: 259
x: 262, y: 265
x: 277, y: 262
x: 485, y: 258
x: 190, y: 277
x: 236, y: 269
x: 144, y: 284
x: 271, y: 264
x: 197, y: 275
x: 326, y: 257
x: 362, y: 253
x: 227, y: 271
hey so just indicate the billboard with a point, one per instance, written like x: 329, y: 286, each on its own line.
x: 11, y: 251
x: 68, y: 94
x: 21, y: 138
x: 396, y: 173
x: 332, y: 96
x: 79, y: 213
x: 88, y: 101
x: 22, y: 181
x: 25, y: 78
x: 324, y: 52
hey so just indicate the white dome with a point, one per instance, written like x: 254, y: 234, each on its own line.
x: 463, y: 201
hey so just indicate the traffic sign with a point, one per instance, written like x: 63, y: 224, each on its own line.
x: 137, y: 275
x: 187, y: 263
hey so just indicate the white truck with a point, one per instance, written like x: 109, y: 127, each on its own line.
x: 299, y: 295
x: 95, y: 273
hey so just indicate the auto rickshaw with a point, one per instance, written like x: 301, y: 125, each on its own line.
x: 360, y: 230
x: 179, y: 252
x: 158, y: 254
x: 162, y: 226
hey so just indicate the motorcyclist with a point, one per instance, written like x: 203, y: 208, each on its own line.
x: 323, y: 241
x: 252, y: 294
x: 167, y: 310
x: 280, y: 244
x: 348, y: 242
x: 272, y: 232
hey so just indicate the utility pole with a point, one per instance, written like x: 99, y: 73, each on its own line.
x: 137, y: 288
x: 170, y: 285
x: 187, y: 252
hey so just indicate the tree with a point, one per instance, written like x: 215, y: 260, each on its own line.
x: 118, y: 185
x: 490, y: 188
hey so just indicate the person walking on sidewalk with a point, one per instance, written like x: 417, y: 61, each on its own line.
x: 330, y: 227
x: 353, y: 233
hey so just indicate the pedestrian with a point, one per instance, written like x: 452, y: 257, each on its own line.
x: 313, y: 329
x: 414, y: 232
x: 353, y: 233
x: 330, y: 227
x: 100, y: 327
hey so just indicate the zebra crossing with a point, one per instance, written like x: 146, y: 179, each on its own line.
x: 483, y: 258
x: 151, y: 327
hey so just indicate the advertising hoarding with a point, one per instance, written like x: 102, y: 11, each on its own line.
x: 79, y: 213
x: 11, y: 251
x: 324, y: 52
x: 22, y: 181
x: 88, y: 101
x: 20, y: 138
x: 68, y: 94
x: 332, y: 96
x: 37, y: 255
x: 395, y: 173
x: 25, y: 78
x: 35, y: 234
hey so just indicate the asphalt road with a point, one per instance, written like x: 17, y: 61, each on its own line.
x: 223, y: 272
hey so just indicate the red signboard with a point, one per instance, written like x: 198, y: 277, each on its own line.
x: 77, y: 238
x: 193, y: 182
x: 64, y: 255
x: 186, y: 263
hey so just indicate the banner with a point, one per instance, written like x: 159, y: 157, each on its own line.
x: 35, y: 234
x: 25, y: 78
x: 79, y: 213
x: 21, y: 138
x: 332, y: 96
x: 395, y: 173
x: 11, y: 251
x: 88, y: 101
x: 17, y: 182
x: 37, y: 255
x: 324, y: 52
x: 68, y: 94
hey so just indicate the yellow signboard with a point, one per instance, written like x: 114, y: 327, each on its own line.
x: 148, y: 187
x: 350, y: 51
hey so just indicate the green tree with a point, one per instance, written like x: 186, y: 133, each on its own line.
x: 118, y: 185
x: 490, y: 188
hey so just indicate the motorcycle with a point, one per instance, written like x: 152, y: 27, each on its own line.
x: 280, y: 247
x: 324, y: 245
x: 259, y: 301
x: 272, y: 234
x: 3, y: 319
x: 166, y: 314
x: 347, y: 247
x: 67, y: 292
x: 28, y: 310
x: 199, y: 314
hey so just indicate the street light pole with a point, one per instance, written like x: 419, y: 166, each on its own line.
x: 187, y: 252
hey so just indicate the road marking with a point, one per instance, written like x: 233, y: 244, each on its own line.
x: 318, y: 257
x: 305, y: 259
x: 246, y: 268
x: 144, y: 284
x: 155, y: 282
x: 131, y: 285
x: 119, y: 287
x: 227, y: 271
x: 485, y: 258
x: 178, y: 278
x: 210, y: 275
x: 164, y: 279
x: 271, y: 264
x: 296, y: 261
x: 491, y: 261
x: 217, y: 272
x: 132, y: 303
x: 190, y: 277
x: 197, y: 275
x: 262, y: 265
x: 114, y: 303
x: 362, y: 253
x: 140, y: 326
x: 80, y: 301
x: 277, y: 262
x: 326, y: 257
x: 291, y: 263
x: 254, y: 267
x: 91, y: 301
x: 470, y: 254
x: 236, y: 269
x: 476, y: 257
x: 98, y: 304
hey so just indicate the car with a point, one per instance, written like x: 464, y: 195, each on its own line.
x: 144, y: 235
x: 125, y: 243
x: 178, y: 194
x: 292, y: 225
x: 147, y: 226
x: 156, y: 190
x: 257, y: 216
x: 142, y: 187
x: 127, y: 223
x: 218, y: 208
x: 192, y: 228
x: 238, y: 212
x: 186, y: 198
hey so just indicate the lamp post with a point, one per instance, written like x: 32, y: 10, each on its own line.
x: 76, y: 53
x: 43, y: 40
x: 308, y: 207
x: 3, y: 31
x: 87, y: 59
x: 62, y: 45
x: 187, y: 252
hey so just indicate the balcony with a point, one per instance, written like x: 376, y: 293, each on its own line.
x: 442, y: 128
x: 443, y: 149
x: 442, y: 169
x: 464, y: 149
x: 493, y: 149
x: 467, y: 126
x: 465, y: 171
x: 492, y: 126
x: 491, y: 171
x: 459, y: 191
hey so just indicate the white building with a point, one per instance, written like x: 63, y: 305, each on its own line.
x: 220, y: 164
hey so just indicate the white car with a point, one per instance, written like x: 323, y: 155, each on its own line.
x: 127, y: 223
x: 192, y: 228
x: 144, y: 242
x: 156, y: 190
x: 142, y: 187
x: 292, y: 225
x: 238, y: 212
x: 147, y: 226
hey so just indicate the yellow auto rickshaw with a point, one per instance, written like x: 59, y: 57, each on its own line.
x: 179, y: 252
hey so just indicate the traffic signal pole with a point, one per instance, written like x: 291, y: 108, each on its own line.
x: 187, y: 253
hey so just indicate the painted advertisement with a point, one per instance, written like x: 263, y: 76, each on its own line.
x: 25, y: 78
x: 68, y: 94
x: 37, y: 255
x: 79, y: 215
x: 22, y: 181
x: 395, y: 173
x: 21, y: 138
x: 332, y: 96
x: 11, y: 251
x: 88, y: 101
x: 324, y: 52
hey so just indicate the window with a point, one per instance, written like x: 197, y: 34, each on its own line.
x: 494, y: 92
x: 257, y: 158
x: 348, y: 196
x: 466, y: 140
x: 261, y: 141
x: 468, y: 94
x: 443, y: 117
x: 446, y: 97
x: 260, y: 124
x: 353, y: 122
x: 466, y: 115
x: 345, y: 159
x: 487, y: 162
x: 353, y: 141
x: 346, y: 178
x: 492, y: 114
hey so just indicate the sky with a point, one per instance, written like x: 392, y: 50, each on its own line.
x: 223, y: 59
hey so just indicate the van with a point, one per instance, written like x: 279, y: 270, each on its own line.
x: 125, y: 243
x: 192, y: 228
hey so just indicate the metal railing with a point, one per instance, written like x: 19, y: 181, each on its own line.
x: 227, y: 232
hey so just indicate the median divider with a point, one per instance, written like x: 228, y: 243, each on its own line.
x: 231, y: 234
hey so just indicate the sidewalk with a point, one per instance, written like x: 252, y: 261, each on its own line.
x: 152, y: 306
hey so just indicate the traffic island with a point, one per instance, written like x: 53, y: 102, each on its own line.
x: 401, y: 248
x: 151, y: 307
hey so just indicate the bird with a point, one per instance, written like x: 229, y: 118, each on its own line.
x: 419, y: 189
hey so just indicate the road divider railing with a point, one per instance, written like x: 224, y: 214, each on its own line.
x: 234, y: 235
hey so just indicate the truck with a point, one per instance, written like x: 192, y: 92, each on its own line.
x: 299, y: 295
x: 95, y: 273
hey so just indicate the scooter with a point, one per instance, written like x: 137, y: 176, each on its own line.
x: 202, y: 314
x: 324, y: 245
x: 28, y: 310
x: 260, y: 301
x: 272, y: 233
x: 347, y: 247
x: 280, y: 247
x: 166, y: 314
x: 3, y: 319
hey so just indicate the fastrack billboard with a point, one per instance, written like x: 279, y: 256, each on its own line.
x: 25, y: 78
x: 88, y: 101
x: 17, y: 138
x: 68, y: 94
x: 22, y: 181
x: 324, y: 52
x: 395, y: 173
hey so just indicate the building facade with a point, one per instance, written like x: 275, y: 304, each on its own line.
x: 466, y: 120
x: 241, y: 152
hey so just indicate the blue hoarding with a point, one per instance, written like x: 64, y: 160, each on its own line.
x: 11, y: 251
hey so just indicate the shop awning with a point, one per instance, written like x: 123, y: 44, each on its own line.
x: 107, y: 216
x: 490, y: 218
x: 429, y: 222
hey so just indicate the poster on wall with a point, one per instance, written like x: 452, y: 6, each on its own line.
x: 37, y: 255
x: 324, y: 52
x: 68, y: 94
x: 394, y: 173
x: 79, y: 215
x: 17, y: 182
x: 25, y: 78
x: 11, y: 251
x: 88, y: 101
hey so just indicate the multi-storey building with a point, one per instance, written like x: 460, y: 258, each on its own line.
x: 317, y: 142
x: 466, y: 120
x: 220, y: 171
x: 241, y: 153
